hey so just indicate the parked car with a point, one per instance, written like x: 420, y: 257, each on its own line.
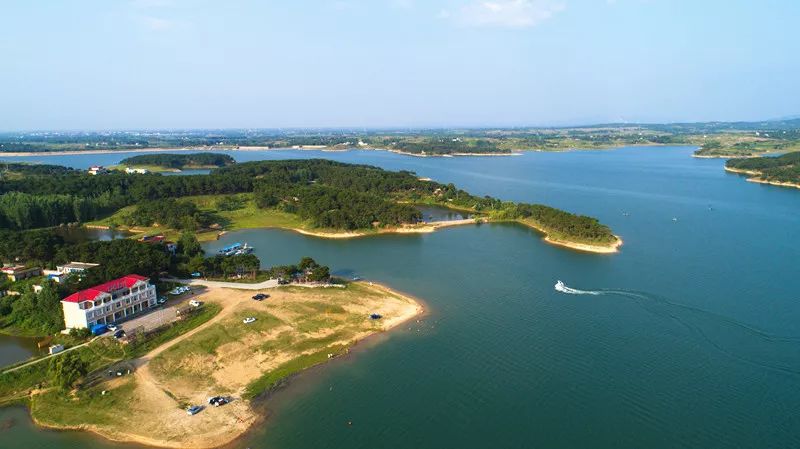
x: 375, y: 316
x: 119, y: 334
x: 193, y: 410
x: 195, y: 303
x: 112, y: 327
x: 179, y: 290
x: 162, y: 300
x: 196, y: 274
x: 216, y: 401
x: 261, y: 296
x: 249, y: 320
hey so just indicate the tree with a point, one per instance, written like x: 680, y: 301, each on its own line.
x: 188, y: 244
x: 66, y: 369
x: 307, y: 263
x: 319, y: 274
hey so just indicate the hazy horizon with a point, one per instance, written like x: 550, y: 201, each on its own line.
x: 393, y: 64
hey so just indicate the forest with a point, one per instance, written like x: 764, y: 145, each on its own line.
x: 328, y: 194
x: 178, y: 161
x: 40, y: 313
x: 785, y: 168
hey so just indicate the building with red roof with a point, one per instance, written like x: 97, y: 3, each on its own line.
x: 110, y: 302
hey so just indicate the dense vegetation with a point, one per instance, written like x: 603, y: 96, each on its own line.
x: 180, y: 160
x: 445, y: 145
x: 170, y: 213
x: 8, y: 169
x: 47, y: 248
x: 325, y: 193
x: 243, y: 265
x: 784, y: 168
x: 307, y: 270
x: 40, y: 313
x: 22, y: 211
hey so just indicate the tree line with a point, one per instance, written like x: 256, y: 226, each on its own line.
x: 326, y: 193
x: 785, y: 168
x: 180, y: 160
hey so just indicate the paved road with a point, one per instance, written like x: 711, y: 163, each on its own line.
x: 47, y: 357
x: 271, y: 283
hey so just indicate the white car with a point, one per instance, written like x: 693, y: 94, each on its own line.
x: 112, y: 327
x: 249, y: 320
x: 195, y: 303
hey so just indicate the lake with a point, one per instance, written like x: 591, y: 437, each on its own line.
x: 686, y: 338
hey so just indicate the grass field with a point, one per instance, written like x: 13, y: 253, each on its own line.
x: 292, y: 329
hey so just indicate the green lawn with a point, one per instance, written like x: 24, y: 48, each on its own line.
x: 86, y: 406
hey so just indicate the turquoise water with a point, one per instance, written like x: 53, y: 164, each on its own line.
x: 686, y: 338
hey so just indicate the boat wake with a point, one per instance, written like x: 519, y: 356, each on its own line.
x: 561, y: 287
x: 734, y: 338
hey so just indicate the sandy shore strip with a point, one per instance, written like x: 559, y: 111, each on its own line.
x: 742, y: 172
x: 413, y: 229
x: 171, y: 374
x: 431, y: 227
x: 773, y: 183
x: 755, y: 178
x: 597, y: 249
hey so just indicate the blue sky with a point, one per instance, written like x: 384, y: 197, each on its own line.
x: 110, y: 64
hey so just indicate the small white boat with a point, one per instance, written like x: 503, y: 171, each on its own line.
x: 560, y: 286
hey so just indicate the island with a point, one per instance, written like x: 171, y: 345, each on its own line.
x: 781, y: 171
x: 164, y: 162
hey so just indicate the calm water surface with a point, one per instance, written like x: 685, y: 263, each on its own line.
x: 16, y: 349
x: 687, y: 338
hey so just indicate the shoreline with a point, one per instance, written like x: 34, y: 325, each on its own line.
x: 252, y: 415
x: 773, y: 183
x: 325, y: 149
x: 428, y: 228
x: 754, y: 177
x: 240, y: 148
x: 577, y: 246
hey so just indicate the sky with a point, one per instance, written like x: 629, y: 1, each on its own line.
x: 167, y: 64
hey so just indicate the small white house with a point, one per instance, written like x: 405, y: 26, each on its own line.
x: 97, y: 170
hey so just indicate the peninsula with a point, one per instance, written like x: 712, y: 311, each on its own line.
x: 781, y: 171
x: 294, y: 328
x: 239, y: 333
x: 319, y: 196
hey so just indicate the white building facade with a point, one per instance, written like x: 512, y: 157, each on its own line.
x: 110, y: 302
